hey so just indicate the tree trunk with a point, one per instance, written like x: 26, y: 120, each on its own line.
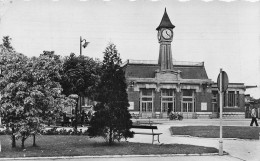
x: 110, y: 137
x: 34, y: 144
x: 13, y: 139
x: 23, y: 139
x: 76, y: 115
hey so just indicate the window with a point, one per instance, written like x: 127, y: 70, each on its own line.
x: 214, y: 101
x: 147, y: 92
x: 167, y: 92
x: 188, y: 101
x: 231, y: 99
x: 186, y: 92
x: 237, y: 99
x: 167, y: 98
x: 214, y: 96
x: 147, y: 100
x: 187, y: 95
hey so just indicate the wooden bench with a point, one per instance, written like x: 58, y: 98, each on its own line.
x: 147, y: 133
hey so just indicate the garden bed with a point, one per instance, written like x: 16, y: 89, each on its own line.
x: 72, y: 145
x: 241, y: 132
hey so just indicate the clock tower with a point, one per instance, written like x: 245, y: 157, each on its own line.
x: 165, y: 35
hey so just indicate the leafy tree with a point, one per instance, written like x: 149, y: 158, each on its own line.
x: 30, y: 89
x: 11, y: 63
x: 81, y: 75
x: 112, y: 119
x: 7, y: 43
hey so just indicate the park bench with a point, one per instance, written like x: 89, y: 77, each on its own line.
x: 147, y: 127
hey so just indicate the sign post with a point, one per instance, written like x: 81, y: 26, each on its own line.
x: 222, y: 86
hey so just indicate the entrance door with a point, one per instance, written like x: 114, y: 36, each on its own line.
x: 147, y: 109
x: 167, y: 107
x: 187, y: 110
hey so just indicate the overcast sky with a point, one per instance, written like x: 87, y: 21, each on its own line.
x: 222, y: 34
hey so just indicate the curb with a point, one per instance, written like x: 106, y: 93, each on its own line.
x: 112, y: 156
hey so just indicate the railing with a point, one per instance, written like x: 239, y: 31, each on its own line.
x: 186, y: 63
x: 154, y: 62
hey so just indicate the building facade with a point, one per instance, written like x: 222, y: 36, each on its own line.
x: 156, y: 88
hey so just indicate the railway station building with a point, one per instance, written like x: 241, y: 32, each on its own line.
x: 155, y: 88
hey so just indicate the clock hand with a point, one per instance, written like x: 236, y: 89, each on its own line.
x: 168, y: 33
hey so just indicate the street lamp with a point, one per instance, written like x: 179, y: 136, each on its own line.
x: 83, y: 43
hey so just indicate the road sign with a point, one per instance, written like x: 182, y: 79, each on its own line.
x: 222, y: 87
x: 224, y: 81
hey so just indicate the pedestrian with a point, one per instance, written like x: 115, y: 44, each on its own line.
x: 253, y: 115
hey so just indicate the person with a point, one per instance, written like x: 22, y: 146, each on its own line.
x: 253, y: 115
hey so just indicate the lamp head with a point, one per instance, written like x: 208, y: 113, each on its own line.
x: 85, y: 44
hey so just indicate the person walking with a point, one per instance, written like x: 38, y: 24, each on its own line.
x: 253, y: 115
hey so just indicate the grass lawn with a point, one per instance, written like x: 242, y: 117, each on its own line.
x: 241, y: 132
x: 65, y: 145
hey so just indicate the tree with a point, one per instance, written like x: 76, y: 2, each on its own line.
x: 112, y: 119
x: 7, y: 43
x: 11, y: 65
x: 81, y: 76
x: 30, y: 89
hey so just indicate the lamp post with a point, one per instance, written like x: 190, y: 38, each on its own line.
x: 1, y: 76
x: 83, y: 43
x: 76, y: 98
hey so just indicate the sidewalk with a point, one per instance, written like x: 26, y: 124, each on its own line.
x: 237, y: 148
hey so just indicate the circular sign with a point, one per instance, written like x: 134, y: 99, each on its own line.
x: 224, y: 81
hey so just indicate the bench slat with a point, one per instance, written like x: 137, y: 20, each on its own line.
x: 144, y: 127
x: 147, y: 133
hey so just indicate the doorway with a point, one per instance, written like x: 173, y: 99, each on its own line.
x: 187, y: 110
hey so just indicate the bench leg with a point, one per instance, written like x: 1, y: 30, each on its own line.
x: 158, y: 139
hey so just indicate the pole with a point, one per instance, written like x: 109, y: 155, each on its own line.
x: 221, y: 107
x: 76, y: 116
x: 80, y: 46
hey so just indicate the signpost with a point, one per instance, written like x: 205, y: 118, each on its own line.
x: 222, y: 87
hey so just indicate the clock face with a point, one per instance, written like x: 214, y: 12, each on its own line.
x: 159, y: 35
x: 167, y: 34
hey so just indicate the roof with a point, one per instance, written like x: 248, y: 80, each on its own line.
x: 165, y: 22
x: 192, y: 72
x: 140, y: 70
x: 143, y: 69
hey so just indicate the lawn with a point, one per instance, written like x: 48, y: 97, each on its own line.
x: 241, y: 132
x: 67, y: 145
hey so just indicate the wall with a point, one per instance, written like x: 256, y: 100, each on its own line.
x: 203, y: 96
x: 133, y: 96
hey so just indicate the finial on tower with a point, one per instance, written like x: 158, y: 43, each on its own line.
x: 165, y: 22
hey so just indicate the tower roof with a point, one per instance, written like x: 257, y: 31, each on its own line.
x: 165, y: 22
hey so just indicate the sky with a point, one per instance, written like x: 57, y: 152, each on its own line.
x: 221, y: 34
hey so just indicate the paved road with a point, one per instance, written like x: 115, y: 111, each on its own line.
x: 242, y: 149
